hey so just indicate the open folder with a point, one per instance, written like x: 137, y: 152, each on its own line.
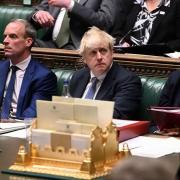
x: 159, y: 49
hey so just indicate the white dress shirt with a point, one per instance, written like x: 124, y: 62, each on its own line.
x: 18, y: 82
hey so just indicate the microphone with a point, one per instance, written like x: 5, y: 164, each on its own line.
x: 124, y: 37
x: 118, y: 48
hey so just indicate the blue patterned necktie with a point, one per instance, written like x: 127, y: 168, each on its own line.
x: 5, y: 109
x: 92, y: 89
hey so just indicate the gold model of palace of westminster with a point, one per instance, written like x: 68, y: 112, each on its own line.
x: 71, y: 138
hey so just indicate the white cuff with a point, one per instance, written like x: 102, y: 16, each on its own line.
x: 71, y: 5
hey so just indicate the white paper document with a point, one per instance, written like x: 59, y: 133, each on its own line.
x: 18, y: 134
x: 9, y: 127
x: 152, y: 147
x: 121, y: 123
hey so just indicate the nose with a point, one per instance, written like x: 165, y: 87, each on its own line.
x: 99, y: 56
x: 5, y: 41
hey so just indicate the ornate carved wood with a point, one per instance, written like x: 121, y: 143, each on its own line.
x: 141, y: 64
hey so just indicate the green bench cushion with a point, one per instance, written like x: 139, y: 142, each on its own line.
x: 62, y: 75
x: 12, y: 12
x: 151, y: 87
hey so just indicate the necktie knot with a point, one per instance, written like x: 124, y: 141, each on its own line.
x: 14, y: 69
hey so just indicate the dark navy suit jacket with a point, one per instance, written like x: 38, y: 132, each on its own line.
x: 120, y: 85
x: 38, y: 83
x: 170, y: 95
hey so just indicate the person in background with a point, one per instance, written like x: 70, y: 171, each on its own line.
x: 170, y: 95
x: 102, y: 79
x: 23, y: 80
x: 145, y: 22
x: 82, y: 15
x: 142, y: 169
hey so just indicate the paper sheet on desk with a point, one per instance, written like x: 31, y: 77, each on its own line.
x: 6, y: 128
x: 19, y: 134
x: 153, y: 147
x: 120, y: 122
x: 11, y: 125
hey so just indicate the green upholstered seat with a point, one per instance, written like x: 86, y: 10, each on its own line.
x: 152, y: 87
x: 61, y: 76
x: 12, y: 12
x: 151, y: 90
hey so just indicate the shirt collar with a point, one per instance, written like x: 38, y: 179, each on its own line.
x: 23, y: 64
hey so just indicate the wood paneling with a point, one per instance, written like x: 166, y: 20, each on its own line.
x: 141, y: 64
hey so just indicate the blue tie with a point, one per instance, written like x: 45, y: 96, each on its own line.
x: 92, y: 89
x: 5, y: 109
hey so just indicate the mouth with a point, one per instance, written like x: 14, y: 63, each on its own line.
x: 7, y: 48
x: 101, y: 64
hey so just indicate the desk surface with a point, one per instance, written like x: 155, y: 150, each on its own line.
x: 9, y: 147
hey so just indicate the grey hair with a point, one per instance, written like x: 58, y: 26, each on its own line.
x: 29, y: 29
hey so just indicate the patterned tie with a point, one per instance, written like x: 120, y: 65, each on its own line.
x: 92, y: 89
x: 5, y: 109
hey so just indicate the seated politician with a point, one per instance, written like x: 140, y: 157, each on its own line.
x: 170, y: 95
x: 144, y: 22
x: 65, y: 21
x: 102, y: 79
x: 23, y: 80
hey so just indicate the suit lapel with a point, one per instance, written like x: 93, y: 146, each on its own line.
x: 82, y: 2
x: 159, y: 18
x: 84, y: 82
x: 25, y: 85
x: 133, y: 16
x: 3, y: 77
x: 107, y: 83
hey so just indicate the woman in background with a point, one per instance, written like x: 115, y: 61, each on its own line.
x: 148, y: 22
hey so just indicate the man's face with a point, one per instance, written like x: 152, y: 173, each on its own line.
x: 16, y: 45
x: 98, y: 58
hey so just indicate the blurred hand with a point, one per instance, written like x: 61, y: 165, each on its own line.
x: 125, y: 44
x: 60, y: 3
x: 44, y: 18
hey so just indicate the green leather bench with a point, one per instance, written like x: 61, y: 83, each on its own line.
x: 152, y: 87
x: 12, y: 12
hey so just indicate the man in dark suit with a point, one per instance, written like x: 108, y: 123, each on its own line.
x: 144, y: 22
x: 83, y: 14
x: 113, y: 82
x: 32, y: 80
x: 170, y: 95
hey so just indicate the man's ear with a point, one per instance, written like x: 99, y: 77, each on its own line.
x: 84, y: 59
x: 29, y: 42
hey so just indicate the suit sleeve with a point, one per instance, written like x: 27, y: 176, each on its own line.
x: 102, y: 17
x: 127, y: 97
x: 169, y: 91
x: 43, y: 89
x: 174, y: 44
x: 123, y: 9
x: 42, y: 6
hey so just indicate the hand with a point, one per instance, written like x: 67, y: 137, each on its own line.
x: 44, y: 18
x: 125, y: 44
x: 60, y: 3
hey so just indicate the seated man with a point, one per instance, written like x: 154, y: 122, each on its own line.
x: 82, y: 14
x: 23, y: 80
x: 104, y: 80
x: 170, y: 95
